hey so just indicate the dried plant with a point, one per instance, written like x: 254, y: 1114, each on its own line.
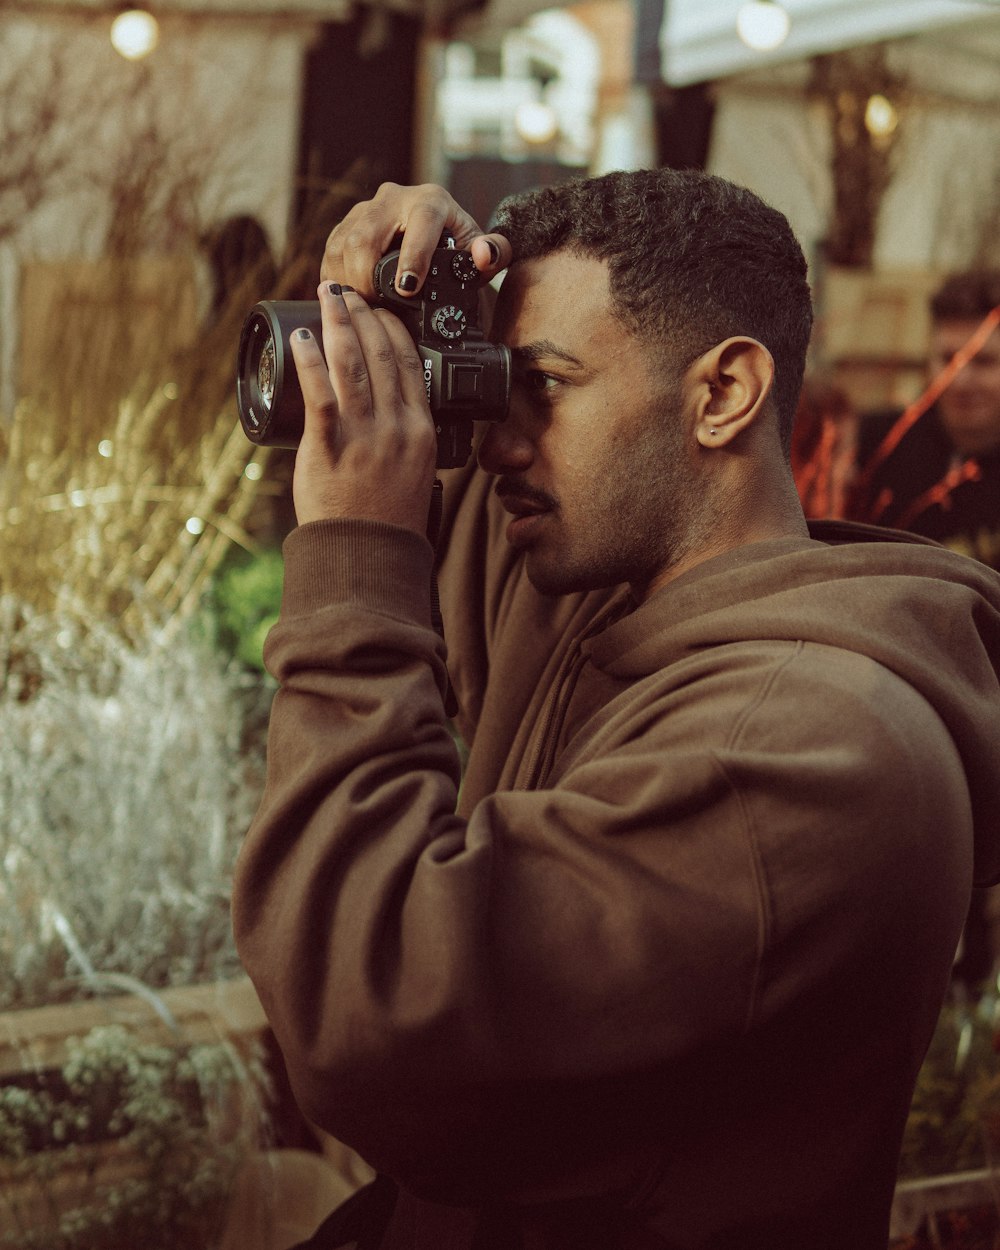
x: 954, y: 1120
x: 131, y: 749
x: 126, y: 772
x: 124, y: 475
x: 126, y: 783
x: 42, y: 143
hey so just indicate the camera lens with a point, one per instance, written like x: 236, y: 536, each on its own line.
x: 265, y: 374
x: 267, y: 387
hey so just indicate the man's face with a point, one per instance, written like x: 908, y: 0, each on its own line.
x: 970, y: 407
x: 593, y: 462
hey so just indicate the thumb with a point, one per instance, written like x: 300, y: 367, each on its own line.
x: 492, y: 253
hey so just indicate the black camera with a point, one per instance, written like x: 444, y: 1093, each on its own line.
x: 467, y: 378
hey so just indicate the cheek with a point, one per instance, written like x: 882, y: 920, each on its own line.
x: 981, y: 382
x: 580, y: 447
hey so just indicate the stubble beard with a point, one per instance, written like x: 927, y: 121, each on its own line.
x: 640, y: 520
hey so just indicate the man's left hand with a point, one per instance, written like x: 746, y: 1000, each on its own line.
x: 368, y: 448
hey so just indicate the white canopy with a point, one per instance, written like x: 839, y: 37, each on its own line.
x: 698, y: 39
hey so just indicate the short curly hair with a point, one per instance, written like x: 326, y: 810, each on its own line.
x: 693, y: 259
x: 966, y: 296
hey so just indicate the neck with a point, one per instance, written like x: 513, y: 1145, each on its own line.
x: 737, y: 513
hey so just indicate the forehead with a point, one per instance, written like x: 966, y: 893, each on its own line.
x: 562, y: 297
x: 948, y: 337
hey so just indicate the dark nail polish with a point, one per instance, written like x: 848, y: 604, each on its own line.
x: 345, y: 288
x: 407, y: 282
x: 334, y: 288
x: 303, y: 334
x: 494, y: 251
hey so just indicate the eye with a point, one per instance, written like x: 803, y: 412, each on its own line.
x: 539, y: 382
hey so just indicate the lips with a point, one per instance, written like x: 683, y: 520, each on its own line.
x: 527, y: 505
x: 518, y: 506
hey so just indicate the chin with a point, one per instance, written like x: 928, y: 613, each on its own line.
x: 562, y: 579
x: 548, y: 580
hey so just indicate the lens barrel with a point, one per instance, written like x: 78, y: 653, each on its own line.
x: 268, y: 396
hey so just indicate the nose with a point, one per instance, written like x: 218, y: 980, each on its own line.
x: 504, y: 449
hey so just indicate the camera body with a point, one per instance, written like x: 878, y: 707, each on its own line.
x: 467, y: 378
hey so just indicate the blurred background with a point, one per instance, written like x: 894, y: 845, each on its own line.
x: 161, y: 169
x: 873, y: 125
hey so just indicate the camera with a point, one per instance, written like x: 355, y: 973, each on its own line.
x: 467, y: 379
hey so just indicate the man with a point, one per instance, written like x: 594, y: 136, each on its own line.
x: 661, y: 974
x: 940, y: 476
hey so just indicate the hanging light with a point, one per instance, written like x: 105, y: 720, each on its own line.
x: 535, y: 121
x: 881, y: 118
x: 134, y: 33
x: 762, y: 24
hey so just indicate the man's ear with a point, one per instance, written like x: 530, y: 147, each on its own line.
x: 731, y: 383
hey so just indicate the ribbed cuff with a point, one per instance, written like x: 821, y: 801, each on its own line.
x: 373, y: 564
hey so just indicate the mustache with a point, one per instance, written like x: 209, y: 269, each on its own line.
x: 518, y: 488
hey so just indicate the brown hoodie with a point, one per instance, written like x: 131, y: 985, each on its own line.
x: 664, y: 973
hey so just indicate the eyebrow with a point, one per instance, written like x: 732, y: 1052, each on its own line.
x: 544, y: 349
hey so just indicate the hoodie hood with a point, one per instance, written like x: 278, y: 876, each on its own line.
x: 930, y: 616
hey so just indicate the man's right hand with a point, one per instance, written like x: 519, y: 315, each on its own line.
x: 421, y: 214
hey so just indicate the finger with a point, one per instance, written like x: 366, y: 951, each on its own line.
x: 492, y: 254
x: 410, y: 368
x: 414, y: 424
x: 379, y: 353
x: 345, y: 358
x: 317, y: 390
x: 359, y: 242
x: 421, y: 214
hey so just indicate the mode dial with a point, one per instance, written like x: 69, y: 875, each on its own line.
x: 449, y: 322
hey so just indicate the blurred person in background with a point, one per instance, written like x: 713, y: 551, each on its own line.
x: 935, y: 470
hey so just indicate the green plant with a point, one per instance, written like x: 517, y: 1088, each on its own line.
x: 128, y: 1143
x: 244, y: 602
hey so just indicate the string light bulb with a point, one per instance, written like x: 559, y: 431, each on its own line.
x: 881, y: 118
x: 535, y: 121
x: 763, y: 24
x: 134, y: 34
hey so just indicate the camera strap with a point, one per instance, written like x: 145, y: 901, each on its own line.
x: 437, y: 619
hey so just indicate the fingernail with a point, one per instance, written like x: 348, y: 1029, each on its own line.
x: 345, y: 288
x: 334, y: 288
x: 407, y: 282
x: 494, y: 251
x: 302, y: 334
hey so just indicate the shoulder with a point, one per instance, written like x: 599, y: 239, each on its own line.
x: 767, y: 695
